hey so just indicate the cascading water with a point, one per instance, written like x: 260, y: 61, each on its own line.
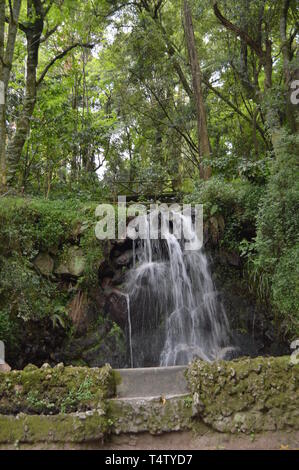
x: 174, y: 310
x: 129, y: 329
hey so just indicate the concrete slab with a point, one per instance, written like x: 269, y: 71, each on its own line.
x: 152, y: 382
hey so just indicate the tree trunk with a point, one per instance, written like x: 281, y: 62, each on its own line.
x: 2, y: 148
x: 6, y: 57
x: 2, y: 101
x: 287, y: 69
x: 202, y: 129
x: 14, y: 149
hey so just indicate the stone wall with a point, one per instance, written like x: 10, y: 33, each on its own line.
x: 78, y: 405
x: 51, y: 391
x: 246, y: 395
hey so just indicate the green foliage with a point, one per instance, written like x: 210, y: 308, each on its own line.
x: 7, y: 332
x: 30, y: 226
x: 58, y: 390
x: 188, y: 402
x: 273, y: 265
x: 236, y: 201
x: 119, y: 118
x: 77, y: 395
x: 285, y: 290
x: 24, y: 292
x: 93, y: 256
x: 117, y: 334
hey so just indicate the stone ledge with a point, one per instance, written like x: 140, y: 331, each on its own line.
x: 152, y: 381
x: 61, y: 428
x: 155, y: 415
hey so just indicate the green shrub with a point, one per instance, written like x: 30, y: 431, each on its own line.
x: 25, y: 296
x: 285, y: 290
x: 236, y: 201
x: 7, y: 332
x: 29, y: 226
x: 273, y: 262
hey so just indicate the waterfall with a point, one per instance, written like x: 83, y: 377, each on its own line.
x: 130, y: 329
x: 174, y: 311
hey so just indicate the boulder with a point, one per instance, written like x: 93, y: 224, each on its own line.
x: 77, y: 262
x: 44, y: 263
x: 73, y: 262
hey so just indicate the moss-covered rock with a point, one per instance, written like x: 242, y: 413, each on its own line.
x: 153, y: 415
x: 73, y: 262
x: 44, y: 263
x: 62, y: 428
x: 247, y: 395
x: 51, y: 391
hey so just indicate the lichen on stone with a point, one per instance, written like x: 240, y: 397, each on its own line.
x: 246, y: 395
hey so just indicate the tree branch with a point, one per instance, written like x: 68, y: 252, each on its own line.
x: 58, y: 57
x: 238, y: 32
x: 235, y: 108
x: 49, y: 33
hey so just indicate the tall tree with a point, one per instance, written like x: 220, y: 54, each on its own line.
x: 288, y: 55
x: 7, y: 48
x: 272, y: 21
x: 33, y: 27
x: 202, y: 128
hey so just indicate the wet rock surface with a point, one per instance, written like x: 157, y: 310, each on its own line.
x: 251, y: 324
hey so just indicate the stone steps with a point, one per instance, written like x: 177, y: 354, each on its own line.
x: 152, y: 382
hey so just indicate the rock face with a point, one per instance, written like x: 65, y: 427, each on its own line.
x: 73, y: 262
x: 247, y: 395
x: 155, y: 415
x: 96, y: 347
x: 55, y: 430
x: 253, y: 333
x: 44, y: 263
x: 78, y: 312
x: 116, y: 308
x: 103, y: 305
x: 125, y: 258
